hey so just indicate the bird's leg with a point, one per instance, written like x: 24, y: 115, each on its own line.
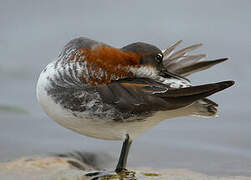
x: 120, y: 171
x: 123, y: 154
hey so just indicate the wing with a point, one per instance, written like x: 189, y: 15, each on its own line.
x: 145, y: 95
x: 181, y: 63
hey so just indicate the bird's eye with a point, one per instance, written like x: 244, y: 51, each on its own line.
x: 159, y: 58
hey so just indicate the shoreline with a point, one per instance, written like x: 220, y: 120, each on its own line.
x: 71, y: 168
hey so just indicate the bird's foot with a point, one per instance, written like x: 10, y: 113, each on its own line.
x: 106, y: 175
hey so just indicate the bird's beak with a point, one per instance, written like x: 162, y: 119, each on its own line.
x: 167, y: 74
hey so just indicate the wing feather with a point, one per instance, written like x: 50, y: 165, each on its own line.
x: 182, y: 64
x: 169, y: 50
x: 198, y: 66
x: 184, y: 51
x: 143, y: 95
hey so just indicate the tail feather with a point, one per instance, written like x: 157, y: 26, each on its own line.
x: 191, y: 100
x: 203, y: 108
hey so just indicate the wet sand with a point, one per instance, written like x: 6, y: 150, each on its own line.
x: 62, y: 168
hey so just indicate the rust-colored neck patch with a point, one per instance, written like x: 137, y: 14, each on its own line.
x: 111, y: 56
x: 105, y: 64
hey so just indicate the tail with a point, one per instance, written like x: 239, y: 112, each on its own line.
x: 202, y: 108
x: 183, y: 64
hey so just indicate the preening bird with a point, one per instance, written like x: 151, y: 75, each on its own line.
x: 116, y: 94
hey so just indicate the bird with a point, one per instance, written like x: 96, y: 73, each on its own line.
x: 111, y: 93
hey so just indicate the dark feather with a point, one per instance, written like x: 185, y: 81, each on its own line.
x: 198, y: 66
x: 169, y: 50
x: 185, y: 61
x: 182, y: 52
x: 182, y: 64
x: 145, y: 95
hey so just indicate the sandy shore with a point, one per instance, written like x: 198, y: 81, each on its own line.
x: 67, y: 168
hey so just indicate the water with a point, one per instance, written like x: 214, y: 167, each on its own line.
x: 32, y: 34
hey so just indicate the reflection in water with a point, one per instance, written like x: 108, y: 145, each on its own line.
x: 12, y: 109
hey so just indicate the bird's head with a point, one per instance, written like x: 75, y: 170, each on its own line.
x: 151, y: 56
x: 151, y: 61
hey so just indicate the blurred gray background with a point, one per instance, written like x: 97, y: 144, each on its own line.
x: 32, y: 33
